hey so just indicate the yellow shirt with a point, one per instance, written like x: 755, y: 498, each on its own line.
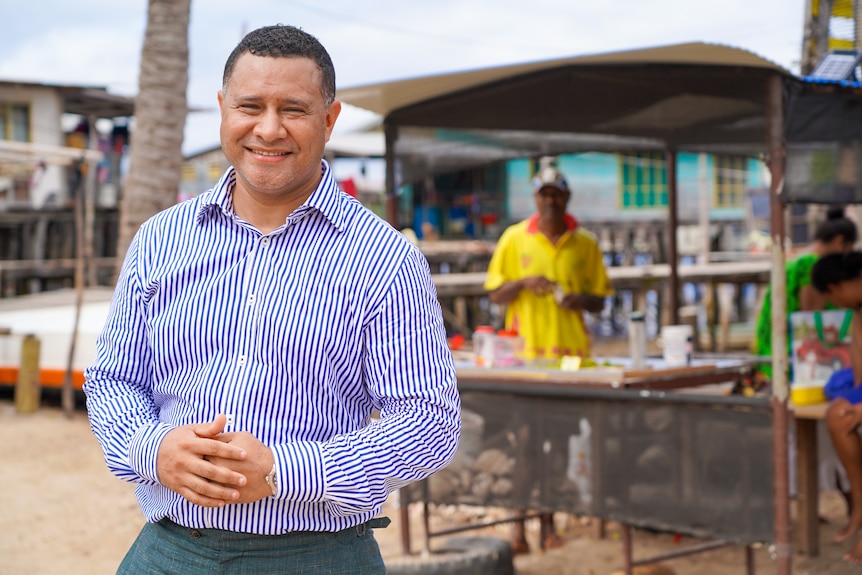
x: 575, y: 263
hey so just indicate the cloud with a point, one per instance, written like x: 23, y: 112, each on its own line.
x: 98, y: 42
x: 102, y: 56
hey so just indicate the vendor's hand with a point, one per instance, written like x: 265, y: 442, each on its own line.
x: 572, y: 302
x: 185, y: 464
x: 578, y: 301
x: 255, y: 467
x: 539, y: 285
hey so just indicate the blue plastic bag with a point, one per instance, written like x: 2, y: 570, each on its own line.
x: 840, y: 384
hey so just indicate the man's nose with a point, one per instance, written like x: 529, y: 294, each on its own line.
x: 269, y: 126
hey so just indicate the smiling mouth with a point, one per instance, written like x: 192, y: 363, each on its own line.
x: 271, y: 154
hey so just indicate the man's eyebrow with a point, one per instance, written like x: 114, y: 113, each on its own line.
x: 282, y: 102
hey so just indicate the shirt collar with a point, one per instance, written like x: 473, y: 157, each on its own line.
x: 327, y: 198
x: 533, y: 223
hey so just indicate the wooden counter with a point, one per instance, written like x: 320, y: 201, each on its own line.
x: 656, y: 376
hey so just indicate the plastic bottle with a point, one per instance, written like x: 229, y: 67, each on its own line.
x: 508, y: 349
x: 637, y: 339
x: 483, y: 345
x: 689, y: 348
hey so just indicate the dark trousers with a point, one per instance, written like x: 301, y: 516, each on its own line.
x: 166, y: 548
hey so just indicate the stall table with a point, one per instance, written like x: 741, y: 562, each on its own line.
x: 641, y: 447
x: 617, y: 375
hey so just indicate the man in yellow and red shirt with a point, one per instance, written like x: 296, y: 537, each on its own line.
x: 548, y: 270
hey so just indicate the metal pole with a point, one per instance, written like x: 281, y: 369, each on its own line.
x: 391, y: 135
x: 90, y: 207
x: 404, y: 510
x: 750, y: 565
x: 857, y: 24
x: 628, y: 567
x: 68, y: 391
x: 704, y: 205
x: 775, y: 135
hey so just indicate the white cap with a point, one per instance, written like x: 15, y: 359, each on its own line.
x: 550, y: 176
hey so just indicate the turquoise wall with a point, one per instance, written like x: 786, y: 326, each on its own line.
x: 595, y: 181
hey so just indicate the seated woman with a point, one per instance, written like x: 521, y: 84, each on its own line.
x: 839, y: 278
x: 836, y: 234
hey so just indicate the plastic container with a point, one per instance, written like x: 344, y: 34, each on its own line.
x: 637, y: 339
x: 483, y: 345
x: 508, y: 349
x: 807, y: 394
x: 676, y: 345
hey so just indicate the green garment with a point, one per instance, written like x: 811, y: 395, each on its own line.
x: 798, y: 276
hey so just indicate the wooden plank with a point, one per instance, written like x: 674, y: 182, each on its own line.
x: 608, y: 376
x: 629, y: 277
x: 811, y: 411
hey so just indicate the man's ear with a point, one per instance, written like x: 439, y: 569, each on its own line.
x: 331, y: 116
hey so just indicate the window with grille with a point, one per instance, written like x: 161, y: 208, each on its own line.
x: 644, y: 180
x: 189, y: 172
x: 15, y: 122
x: 731, y: 181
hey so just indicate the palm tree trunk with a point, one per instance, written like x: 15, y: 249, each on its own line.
x: 160, y: 113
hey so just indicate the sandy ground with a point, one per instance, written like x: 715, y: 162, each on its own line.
x: 62, y: 513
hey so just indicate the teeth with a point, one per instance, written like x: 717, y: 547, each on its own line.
x: 268, y: 153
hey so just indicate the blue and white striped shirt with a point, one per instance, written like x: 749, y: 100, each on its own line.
x: 297, y: 335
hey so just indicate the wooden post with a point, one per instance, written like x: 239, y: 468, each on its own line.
x: 28, y: 390
x: 780, y: 389
x: 68, y: 392
x: 673, y: 224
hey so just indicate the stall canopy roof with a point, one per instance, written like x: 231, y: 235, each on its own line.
x: 96, y: 102
x: 83, y: 100
x: 692, y: 96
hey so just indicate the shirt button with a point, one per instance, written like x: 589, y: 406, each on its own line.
x: 251, y: 299
x: 265, y: 242
x: 241, y: 360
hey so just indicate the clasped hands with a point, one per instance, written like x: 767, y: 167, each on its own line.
x: 541, y: 285
x: 211, y: 468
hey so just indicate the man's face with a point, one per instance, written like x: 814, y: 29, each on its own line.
x: 274, y: 125
x: 847, y: 294
x: 551, y: 202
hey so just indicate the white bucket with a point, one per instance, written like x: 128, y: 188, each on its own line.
x: 676, y: 345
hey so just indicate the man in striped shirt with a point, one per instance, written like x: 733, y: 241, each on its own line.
x: 254, y: 330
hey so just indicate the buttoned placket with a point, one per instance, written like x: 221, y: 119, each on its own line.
x: 257, y: 270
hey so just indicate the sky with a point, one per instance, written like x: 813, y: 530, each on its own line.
x: 98, y: 42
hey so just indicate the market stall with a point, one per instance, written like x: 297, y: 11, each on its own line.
x: 647, y: 448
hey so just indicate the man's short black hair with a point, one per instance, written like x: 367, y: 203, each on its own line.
x: 281, y: 41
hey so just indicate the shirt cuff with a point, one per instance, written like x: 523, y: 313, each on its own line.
x: 144, y: 450
x: 300, y: 471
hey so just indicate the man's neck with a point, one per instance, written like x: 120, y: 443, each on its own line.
x: 553, y: 229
